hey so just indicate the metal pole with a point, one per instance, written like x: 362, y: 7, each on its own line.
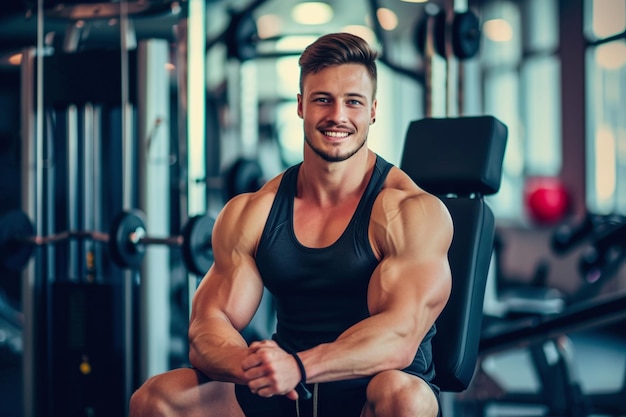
x: 86, y: 251
x: 96, y: 185
x: 196, y: 107
x: 29, y: 301
x: 128, y: 193
x: 73, y: 206
x: 32, y: 150
x: 153, y: 173
x: 194, y: 65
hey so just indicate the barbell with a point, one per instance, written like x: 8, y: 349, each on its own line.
x: 127, y: 240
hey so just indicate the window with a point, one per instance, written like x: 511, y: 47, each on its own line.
x: 521, y: 75
x: 605, y: 31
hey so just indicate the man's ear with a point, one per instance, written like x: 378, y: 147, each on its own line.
x: 300, y: 114
x: 373, y: 110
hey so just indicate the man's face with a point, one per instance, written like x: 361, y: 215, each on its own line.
x: 337, y: 107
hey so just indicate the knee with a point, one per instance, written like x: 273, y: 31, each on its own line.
x: 148, y: 400
x: 138, y: 403
x: 395, y: 393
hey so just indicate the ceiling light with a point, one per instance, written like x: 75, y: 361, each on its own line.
x: 268, y: 25
x: 362, y: 31
x: 415, y: 1
x: 312, y: 13
x: 294, y: 43
x: 387, y: 18
x: 498, y: 30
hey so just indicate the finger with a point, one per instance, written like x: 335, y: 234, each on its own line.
x: 255, y: 372
x: 261, y: 387
x: 292, y: 395
x: 264, y: 393
x: 254, y: 346
x: 251, y: 361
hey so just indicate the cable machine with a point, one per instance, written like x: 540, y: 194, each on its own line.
x: 95, y: 142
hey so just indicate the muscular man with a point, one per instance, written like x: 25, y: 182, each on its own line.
x: 355, y: 254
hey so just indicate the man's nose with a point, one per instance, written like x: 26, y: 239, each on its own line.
x: 338, y: 113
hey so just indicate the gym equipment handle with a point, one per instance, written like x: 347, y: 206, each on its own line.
x: 138, y: 237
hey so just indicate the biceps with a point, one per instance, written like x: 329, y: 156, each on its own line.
x: 410, y: 287
x: 234, y: 294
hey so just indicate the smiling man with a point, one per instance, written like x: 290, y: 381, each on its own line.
x: 355, y: 255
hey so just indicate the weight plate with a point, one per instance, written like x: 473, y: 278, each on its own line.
x: 243, y: 176
x: 124, y: 252
x: 465, y: 35
x: 196, y: 248
x: 241, y: 36
x: 437, y: 24
x: 14, y: 254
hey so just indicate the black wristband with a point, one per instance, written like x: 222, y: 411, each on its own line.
x: 301, y: 388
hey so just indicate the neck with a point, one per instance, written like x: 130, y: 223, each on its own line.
x: 330, y: 182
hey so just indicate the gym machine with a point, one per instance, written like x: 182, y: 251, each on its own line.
x: 96, y: 125
x: 544, y: 331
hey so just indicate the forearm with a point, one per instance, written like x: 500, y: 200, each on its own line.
x: 217, y: 350
x: 378, y: 343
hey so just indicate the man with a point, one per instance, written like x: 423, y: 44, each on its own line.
x: 355, y: 254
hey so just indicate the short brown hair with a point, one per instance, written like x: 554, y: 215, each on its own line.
x: 336, y: 49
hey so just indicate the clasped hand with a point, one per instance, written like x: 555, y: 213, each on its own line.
x: 270, y: 370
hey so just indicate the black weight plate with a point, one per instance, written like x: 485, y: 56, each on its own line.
x: 125, y: 253
x: 14, y: 254
x: 419, y: 34
x: 241, y: 36
x: 243, y: 176
x: 438, y: 32
x: 196, y: 248
x: 465, y: 35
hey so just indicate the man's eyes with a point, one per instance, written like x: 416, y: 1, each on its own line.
x: 352, y: 102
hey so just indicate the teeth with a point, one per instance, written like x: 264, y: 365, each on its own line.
x: 336, y: 134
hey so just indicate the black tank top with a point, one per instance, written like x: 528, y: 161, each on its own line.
x: 319, y: 292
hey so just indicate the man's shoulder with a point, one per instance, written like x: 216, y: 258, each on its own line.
x: 252, y: 206
x: 401, y: 192
x: 399, y: 183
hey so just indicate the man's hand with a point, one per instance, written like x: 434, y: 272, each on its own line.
x: 270, y: 370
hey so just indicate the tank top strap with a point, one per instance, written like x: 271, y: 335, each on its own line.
x: 289, y: 181
x: 282, y: 206
x: 363, y: 212
x: 381, y: 169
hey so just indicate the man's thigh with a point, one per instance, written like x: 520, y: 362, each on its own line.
x: 185, y: 392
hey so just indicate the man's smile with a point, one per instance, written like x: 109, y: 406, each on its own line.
x: 334, y: 134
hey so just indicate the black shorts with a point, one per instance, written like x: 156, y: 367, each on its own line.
x: 334, y: 399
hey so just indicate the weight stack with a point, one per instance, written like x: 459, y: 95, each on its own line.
x: 87, y: 372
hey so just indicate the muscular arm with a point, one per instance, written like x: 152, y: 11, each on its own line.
x: 228, y: 295
x: 407, y: 291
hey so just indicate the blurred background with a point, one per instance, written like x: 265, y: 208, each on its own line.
x: 151, y: 114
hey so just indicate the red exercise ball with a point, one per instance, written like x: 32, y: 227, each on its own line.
x: 546, y: 200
